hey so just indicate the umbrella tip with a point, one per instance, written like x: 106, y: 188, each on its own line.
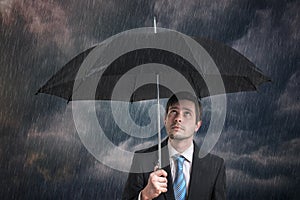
x: 37, y: 92
x: 69, y: 99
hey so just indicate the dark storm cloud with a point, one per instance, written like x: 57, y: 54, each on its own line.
x: 226, y: 21
x: 59, y: 158
x: 211, y: 18
x: 30, y: 53
x: 257, y: 170
x: 265, y: 163
x: 289, y: 100
x: 56, y: 165
x: 46, y: 21
x: 98, y: 20
x: 273, y: 42
x: 241, y: 186
x: 32, y: 40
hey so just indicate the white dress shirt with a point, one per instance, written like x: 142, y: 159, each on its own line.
x: 187, y: 164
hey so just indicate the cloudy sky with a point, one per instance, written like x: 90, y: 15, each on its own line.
x: 41, y: 154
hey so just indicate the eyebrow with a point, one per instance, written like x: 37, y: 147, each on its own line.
x: 184, y: 108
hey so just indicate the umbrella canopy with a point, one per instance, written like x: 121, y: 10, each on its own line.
x: 237, y: 72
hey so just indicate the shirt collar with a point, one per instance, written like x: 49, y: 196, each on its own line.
x: 187, y: 154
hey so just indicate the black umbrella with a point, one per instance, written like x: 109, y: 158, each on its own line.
x: 237, y: 72
x: 141, y: 65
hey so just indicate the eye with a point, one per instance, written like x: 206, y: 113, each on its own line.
x: 187, y: 114
x: 173, y: 112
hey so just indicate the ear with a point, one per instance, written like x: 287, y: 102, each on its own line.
x: 165, y: 120
x: 198, y: 125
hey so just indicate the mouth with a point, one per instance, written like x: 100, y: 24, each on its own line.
x: 177, y: 127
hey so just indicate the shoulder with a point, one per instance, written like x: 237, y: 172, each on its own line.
x: 144, y: 160
x: 210, y: 160
x: 211, y: 165
x: 148, y: 150
x: 214, y: 158
x: 153, y: 148
x: 214, y: 161
x: 210, y: 157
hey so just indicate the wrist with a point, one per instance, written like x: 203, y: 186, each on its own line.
x: 144, y: 195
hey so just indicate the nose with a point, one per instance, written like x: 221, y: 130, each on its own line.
x: 178, y: 117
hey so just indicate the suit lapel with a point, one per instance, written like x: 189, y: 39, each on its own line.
x: 197, y: 176
x: 169, y: 195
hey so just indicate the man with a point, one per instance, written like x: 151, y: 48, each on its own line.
x: 184, y: 175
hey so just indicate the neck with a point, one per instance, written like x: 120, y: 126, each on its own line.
x: 180, y: 145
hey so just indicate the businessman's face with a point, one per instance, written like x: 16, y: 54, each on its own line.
x: 180, y: 121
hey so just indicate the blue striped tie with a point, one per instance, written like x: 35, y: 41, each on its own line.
x: 179, y: 185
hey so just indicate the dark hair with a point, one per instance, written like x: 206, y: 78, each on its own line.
x: 186, y: 96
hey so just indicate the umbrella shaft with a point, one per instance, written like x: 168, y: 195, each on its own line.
x: 158, y: 123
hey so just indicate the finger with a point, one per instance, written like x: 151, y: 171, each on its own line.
x: 164, y: 189
x: 162, y: 185
x: 161, y: 172
x: 162, y: 179
x: 160, y: 189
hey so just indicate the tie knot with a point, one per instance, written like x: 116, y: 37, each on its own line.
x: 180, y: 160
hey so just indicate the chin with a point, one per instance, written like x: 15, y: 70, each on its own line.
x: 175, y: 136
x: 178, y: 136
x: 172, y: 136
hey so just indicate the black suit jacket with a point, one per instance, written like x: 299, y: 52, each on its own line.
x: 207, y: 180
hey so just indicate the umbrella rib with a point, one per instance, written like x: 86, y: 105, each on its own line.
x: 134, y: 86
x: 74, y: 90
x: 194, y: 84
x: 252, y: 84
